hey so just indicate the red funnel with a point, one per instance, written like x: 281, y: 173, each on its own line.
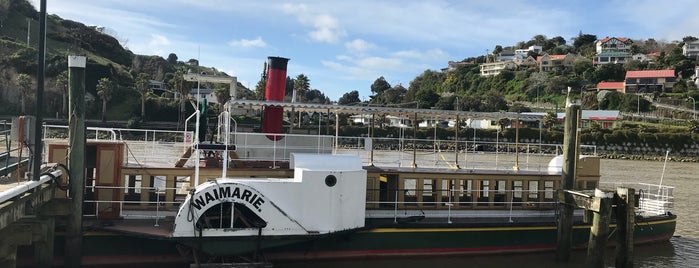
x: 274, y: 91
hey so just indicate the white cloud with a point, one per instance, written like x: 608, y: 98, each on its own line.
x: 245, y: 43
x: 359, y: 46
x: 158, y: 40
x: 428, y: 55
x: 326, y: 28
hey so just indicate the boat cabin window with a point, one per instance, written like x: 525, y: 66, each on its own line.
x: 533, y: 195
x: 517, y: 192
x: 548, y: 190
x: 500, y: 193
x: 465, y: 192
x: 447, y: 191
x: 410, y: 188
x: 132, y: 191
x: 429, y: 193
x: 157, y: 188
x: 483, y: 192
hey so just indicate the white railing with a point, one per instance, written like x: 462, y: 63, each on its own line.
x: 472, y: 203
x: 653, y: 200
x: 166, y: 148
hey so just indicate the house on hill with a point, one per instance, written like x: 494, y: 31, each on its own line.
x: 495, y: 68
x: 613, y: 86
x: 648, y: 81
x: 612, y: 50
x: 691, y: 49
x: 556, y: 63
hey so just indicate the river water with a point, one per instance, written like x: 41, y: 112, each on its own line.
x: 681, y: 251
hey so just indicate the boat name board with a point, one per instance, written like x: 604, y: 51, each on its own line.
x: 227, y: 193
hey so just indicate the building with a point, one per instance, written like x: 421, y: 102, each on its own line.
x: 525, y: 61
x: 612, y: 50
x: 505, y: 55
x: 691, y: 49
x: 648, y: 81
x: 495, y: 68
x: 612, y: 86
x: 606, y: 119
x: 453, y: 65
x: 204, y: 93
x: 525, y: 52
x: 556, y: 63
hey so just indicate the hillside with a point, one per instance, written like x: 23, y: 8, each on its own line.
x: 106, y: 57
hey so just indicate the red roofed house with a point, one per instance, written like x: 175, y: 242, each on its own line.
x: 649, y: 81
x: 613, y: 86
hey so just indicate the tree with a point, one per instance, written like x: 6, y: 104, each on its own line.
x: 143, y: 88
x: 349, y: 98
x: 693, y: 126
x: 503, y: 123
x: 172, y: 58
x: 179, y: 85
x: 549, y: 120
x: 260, y: 89
x: 301, y: 86
x: 4, y: 11
x: 222, y: 95
x: 105, y: 89
x: 24, y: 81
x: 494, y: 102
x: 62, y: 86
x: 379, y: 86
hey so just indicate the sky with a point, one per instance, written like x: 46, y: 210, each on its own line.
x: 346, y: 45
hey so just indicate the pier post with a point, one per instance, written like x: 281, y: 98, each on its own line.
x: 43, y: 245
x: 76, y: 159
x: 599, y: 230
x: 565, y: 220
x: 625, y: 200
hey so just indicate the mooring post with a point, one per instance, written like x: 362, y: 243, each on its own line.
x: 76, y: 159
x: 565, y: 220
x: 625, y: 200
x: 600, y: 229
x: 43, y: 246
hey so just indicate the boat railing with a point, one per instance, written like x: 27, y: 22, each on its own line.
x: 156, y: 207
x: 459, y: 203
x: 142, y: 145
x: 654, y: 199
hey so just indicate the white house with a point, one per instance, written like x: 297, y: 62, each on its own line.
x: 204, y: 93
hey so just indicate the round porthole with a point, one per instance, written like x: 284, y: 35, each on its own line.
x: 330, y: 180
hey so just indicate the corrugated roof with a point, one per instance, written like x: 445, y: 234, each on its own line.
x: 597, y: 115
x: 622, y: 39
x: 650, y: 73
x: 347, y: 109
x: 610, y: 85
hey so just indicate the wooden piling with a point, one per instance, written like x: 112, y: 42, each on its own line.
x: 600, y: 229
x: 625, y: 200
x: 565, y: 221
x: 76, y: 160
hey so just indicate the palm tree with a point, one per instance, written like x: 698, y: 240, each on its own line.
x: 105, y: 90
x: 179, y: 85
x: 62, y: 86
x: 143, y: 87
x: 24, y: 81
x: 301, y: 85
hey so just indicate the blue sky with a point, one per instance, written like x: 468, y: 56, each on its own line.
x: 346, y: 45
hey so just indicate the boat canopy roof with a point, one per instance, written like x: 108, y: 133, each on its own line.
x: 357, y: 109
